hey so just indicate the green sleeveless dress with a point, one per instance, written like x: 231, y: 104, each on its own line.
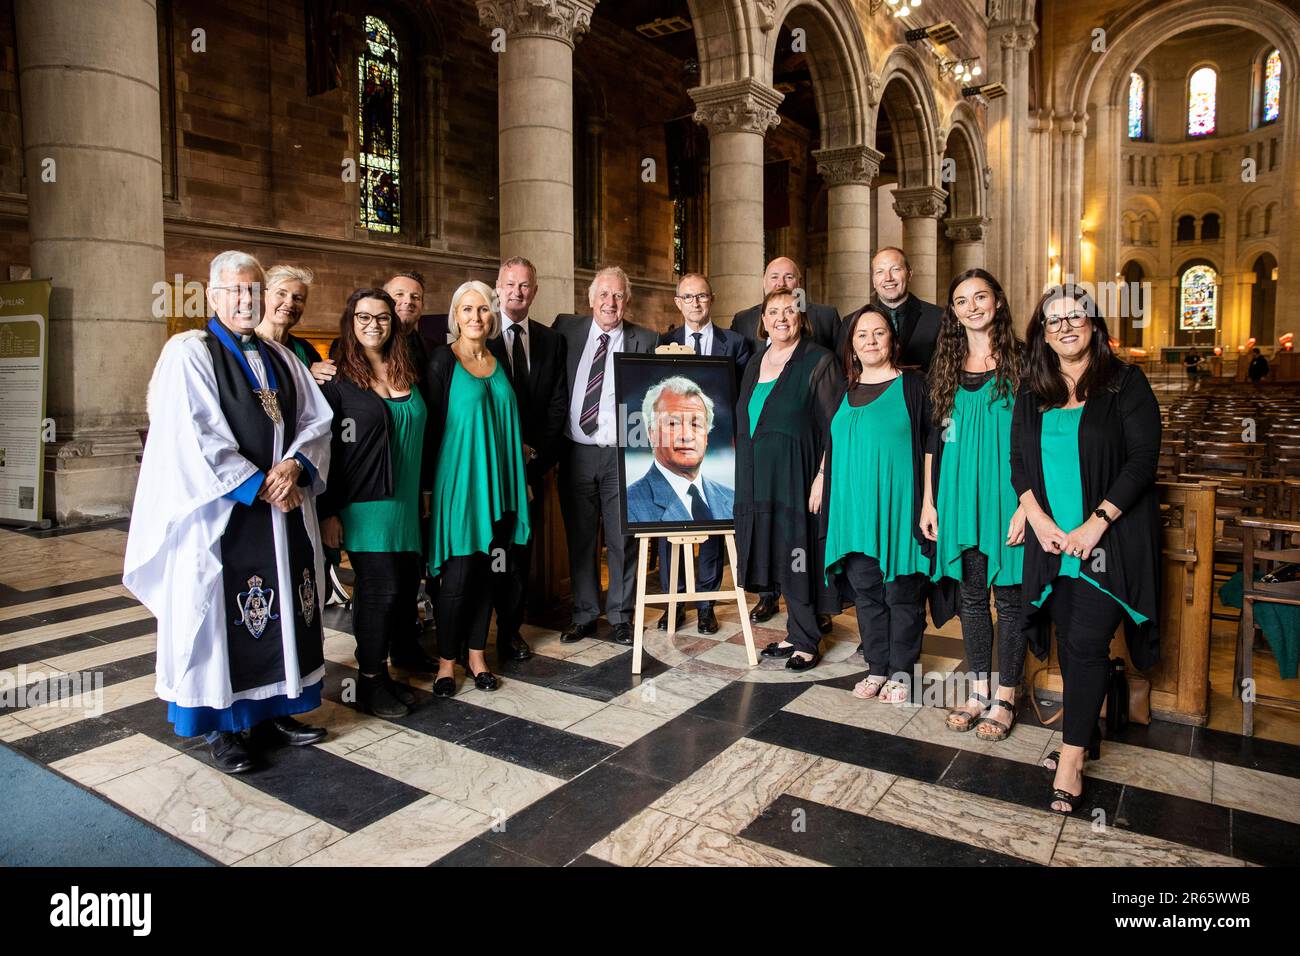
x: 975, y: 500
x: 871, y: 486
x: 480, y: 476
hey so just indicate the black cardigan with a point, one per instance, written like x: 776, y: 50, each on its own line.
x: 1119, y: 445
x: 361, y: 467
x: 437, y: 396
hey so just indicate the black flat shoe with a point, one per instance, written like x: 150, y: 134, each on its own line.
x: 376, y: 697
x: 663, y: 621
x: 797, y: 663
x: 229, y: 755
x: 825, y: 623
x: 764, y: 610
x: 622, y: 634
x: 513, y: 649
x: 576, y: 632
x: 444, y: 687
x: 484, y: 679
x: 776, y: 650
x: 293, y: 732
x: 708, y: 621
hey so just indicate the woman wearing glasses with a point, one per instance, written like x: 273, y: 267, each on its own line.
x: 480, y: 490
x: 371, y: 503
x: 1085, y: 437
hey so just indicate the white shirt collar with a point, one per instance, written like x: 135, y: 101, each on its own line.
x: 681, y: 486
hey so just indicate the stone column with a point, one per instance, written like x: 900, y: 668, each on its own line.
x: 737, y: 115
x: 92, y: 143
x: 967, y: 236
x: 535, y: 133
x: 848, y: 173
x: 920, y: 209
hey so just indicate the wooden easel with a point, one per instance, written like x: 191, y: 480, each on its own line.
x: 679, y: 545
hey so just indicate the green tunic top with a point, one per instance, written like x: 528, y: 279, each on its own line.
x: 393, y: 524
x: 1064, y: 483
x: 872, y: 486
x: 756, y: 400
x: 480, y: 476
x: 975, y: 500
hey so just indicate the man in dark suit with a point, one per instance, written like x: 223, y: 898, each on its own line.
x: 782, y: 272
x: 694, y: 299
x: 534, y: 355
x: 916, y: 322
x: 589, y: 482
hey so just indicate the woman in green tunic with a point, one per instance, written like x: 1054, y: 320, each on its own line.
x: 785, y: 403
x: 871, y: 504
x: 371, y: 503
x: 480, y: 490
x: 971, y: 510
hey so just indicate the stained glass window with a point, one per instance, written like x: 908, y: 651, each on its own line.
x: 1198, y: 309
x: 380, y: 172
x: 1137, y: 102
x: 1272, y: 86
x: 1200, y: 102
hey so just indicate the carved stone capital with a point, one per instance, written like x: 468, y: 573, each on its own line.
x: 923, y: 202
x: 969, y: 229
x: 766, y: 14
x: 848, y: 164
x: 564, y: 20
x: 742, y: 106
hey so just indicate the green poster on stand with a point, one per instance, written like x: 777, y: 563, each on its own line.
x: 24, y: 340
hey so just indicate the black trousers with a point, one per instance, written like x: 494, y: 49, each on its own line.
x: 466, y: 585
x: 1085, y: 621
x: 977, y: 622
x: 589, y: 500
x: 382, y: 598
x: 708, y: 568
x: 891, y: 617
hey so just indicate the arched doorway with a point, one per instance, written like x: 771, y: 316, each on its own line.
x: 1263, y: 301
x: 1135, y: 304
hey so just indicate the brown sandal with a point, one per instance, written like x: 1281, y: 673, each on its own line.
x: 997, y: 730
x: 955, y: 724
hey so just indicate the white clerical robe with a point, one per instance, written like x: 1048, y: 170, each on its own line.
x: 173, y: 551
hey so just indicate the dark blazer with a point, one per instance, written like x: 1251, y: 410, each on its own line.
x: 1119, y: 446
x: 726, y: 342
x: 918, y: 330
x: 574, y: 329
x: 825, y: 323
x: 545, y: 405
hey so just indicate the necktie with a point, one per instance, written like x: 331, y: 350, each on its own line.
x: 518, y: 364
x: 698, y: 349
x: 699, y: 507
x: 595, y: 379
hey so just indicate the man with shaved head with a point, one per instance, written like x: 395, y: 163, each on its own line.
x: 782, y: 272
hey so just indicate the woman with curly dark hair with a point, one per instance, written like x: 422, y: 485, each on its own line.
x: 970, y: 509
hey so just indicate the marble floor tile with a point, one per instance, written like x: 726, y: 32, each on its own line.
x: 669, y: 694
x: 1082, y: 844
x: 703, y: 846
x: 415, y: 835
x: 828, y: 703
x: 96, y: 656
x: 1026, y: 744
x: 541, y: 705
x: 729, y: 791
x: 485, y: 784
x: 547, y: 642
x: 1258, y: 791
x: 299, y: 846
x: 712, y: 670
x: 212, y: 811
x: 89, y: 704
x: 643, y: 839
x: 80, y: 625
x: 842, y: 785
x: 972, y: 820
x: 349, y: 729
x: 11, y: 729
x: 25, y: 675
x: 112, y: 760
x: 70, y: 564
x: 110, y: 540
x: 728, y: 655
x: 36, y: 608
x: 592, y: 656
x: 1150, y: 769
x: 340, y: 648
x: 617, y: 725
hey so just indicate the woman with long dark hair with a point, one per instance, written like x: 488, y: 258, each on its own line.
x: 871, y: 503
x: 970, y: 510
x: 1085, y: 439
x: 371, y: 505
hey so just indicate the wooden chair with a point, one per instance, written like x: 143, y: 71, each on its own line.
x: 1281, y: 546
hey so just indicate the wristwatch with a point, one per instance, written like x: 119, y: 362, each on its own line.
x: 1101, y: 513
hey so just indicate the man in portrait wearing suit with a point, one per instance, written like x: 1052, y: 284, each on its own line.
x: 589, y: 483
x: 535, y: 356
x: 916, y: 322
x: 782, y: 272
x: 677, y: 416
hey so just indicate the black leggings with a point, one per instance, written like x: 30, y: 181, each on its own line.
x: 466, y: 584
x: 382, y: 597
x: 1085, y: 621
x: 977, y: 622
x: 891, y: 617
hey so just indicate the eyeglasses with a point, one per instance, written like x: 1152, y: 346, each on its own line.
x: 1077, y: 320
x: 364, y: 319
x: 697, y: 297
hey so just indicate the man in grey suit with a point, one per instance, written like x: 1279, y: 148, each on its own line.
x: 782, y: 272
x: 588, y: 477
x: 678, y: 416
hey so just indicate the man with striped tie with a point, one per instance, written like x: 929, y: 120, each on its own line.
x: 588, y: 480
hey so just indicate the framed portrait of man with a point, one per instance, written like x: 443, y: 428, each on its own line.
x: 677, y: 442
